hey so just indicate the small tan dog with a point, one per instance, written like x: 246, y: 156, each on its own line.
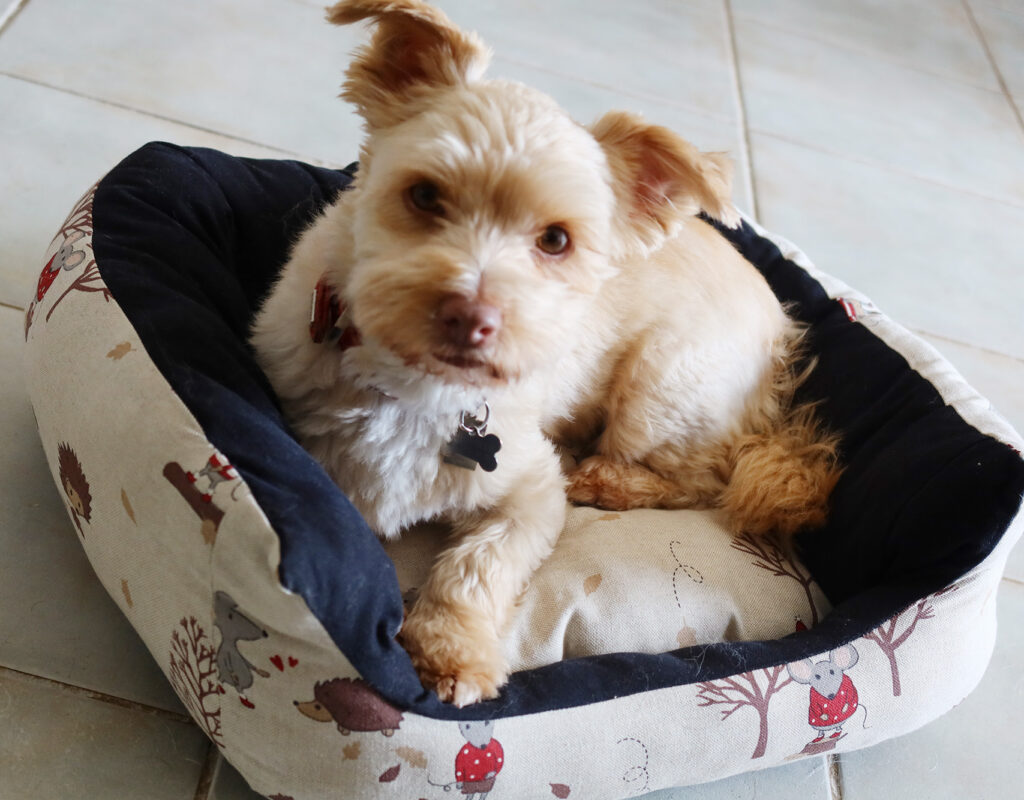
x: 499, y: 275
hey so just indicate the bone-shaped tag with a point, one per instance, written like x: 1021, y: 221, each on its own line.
x: 466, y: 450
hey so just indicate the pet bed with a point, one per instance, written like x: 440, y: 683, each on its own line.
x: 273, y: 609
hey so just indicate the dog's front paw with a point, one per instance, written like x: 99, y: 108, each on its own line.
x: 600, y: 482
x: 620, y: 485
x: 456, y: 654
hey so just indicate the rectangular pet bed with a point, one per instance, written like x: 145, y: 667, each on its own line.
x: 273, y: 609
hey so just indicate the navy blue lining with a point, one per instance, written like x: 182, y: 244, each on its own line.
x: 189, y: 240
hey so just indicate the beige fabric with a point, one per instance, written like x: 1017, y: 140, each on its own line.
x: 641, y: 581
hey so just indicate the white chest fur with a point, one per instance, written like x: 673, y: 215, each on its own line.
x: 381, y: 433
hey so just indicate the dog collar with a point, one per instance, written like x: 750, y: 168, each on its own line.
x: 330, y: 320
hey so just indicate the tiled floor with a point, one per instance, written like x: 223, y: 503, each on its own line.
x: 883, y: 136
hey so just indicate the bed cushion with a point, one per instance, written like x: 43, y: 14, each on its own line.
x: 273, y: 609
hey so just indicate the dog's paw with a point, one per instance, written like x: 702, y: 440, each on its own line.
x: 464, y: 689
x: 599, y: 482
x: 458, y: 656
x: 619, y: 486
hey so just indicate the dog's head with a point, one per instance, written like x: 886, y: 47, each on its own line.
x: 485, y: 220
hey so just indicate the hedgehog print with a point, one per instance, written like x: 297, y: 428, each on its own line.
x: 76, y: 487
x: 353, y: 705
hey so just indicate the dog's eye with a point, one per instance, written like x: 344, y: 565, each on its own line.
x: 554, y: 240
x: 426, y: 197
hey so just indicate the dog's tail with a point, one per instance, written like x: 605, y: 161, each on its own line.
x: 781, y: 479
x: 782, y: 471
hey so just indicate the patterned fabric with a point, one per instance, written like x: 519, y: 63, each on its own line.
x: 830, y: 712
x: 272, y: 609
x: 474, y: 764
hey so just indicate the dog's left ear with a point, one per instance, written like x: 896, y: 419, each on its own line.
x: 659, y: 179
x: 415, y: 49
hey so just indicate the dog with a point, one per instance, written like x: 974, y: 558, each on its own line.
x: 502, y: 285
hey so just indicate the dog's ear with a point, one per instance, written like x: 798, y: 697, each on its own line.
x: 659, y: 178
x: 415, y: 48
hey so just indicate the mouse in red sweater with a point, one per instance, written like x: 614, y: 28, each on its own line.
x: 479, y: 760
x: 833, y: 696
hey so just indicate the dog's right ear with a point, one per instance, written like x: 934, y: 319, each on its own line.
x: 659, y: 179
x: 414, y: 50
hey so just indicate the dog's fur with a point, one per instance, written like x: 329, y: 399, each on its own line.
x: 649, y: 347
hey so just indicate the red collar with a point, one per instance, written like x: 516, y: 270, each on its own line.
x: 329, y: 319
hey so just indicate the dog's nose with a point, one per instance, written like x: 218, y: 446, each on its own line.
x: 468, y: 323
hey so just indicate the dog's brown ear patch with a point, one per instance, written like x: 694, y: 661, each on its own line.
x: 659, y: 178
x: 415, y: 48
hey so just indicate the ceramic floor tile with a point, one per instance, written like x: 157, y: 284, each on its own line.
x: 229, y: 785
x: 932, y: 35
x: 651, y: 48
x: 60, y: 745
x: 1005, y: 5
x: 56, y: 619
x: 586, y: 102
x: 268, y: 72
x: 844, y: 101
x: 1004, y: 32
x: 998, y: 378
x: 934, y: 259
x: 974, y: 751
x: 1015, y: 564
x: 807, y: 780
x: 55, y: 146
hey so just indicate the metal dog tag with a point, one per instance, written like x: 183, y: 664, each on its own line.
x: 470, y: 446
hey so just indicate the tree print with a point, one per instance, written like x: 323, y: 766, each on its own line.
x: 80, y: 218
x: 768, y: 555
x: 193, y: 675
x: 890, y: 638
x: 744, y: 690
x: 88, y: 281
x: 76, y: 228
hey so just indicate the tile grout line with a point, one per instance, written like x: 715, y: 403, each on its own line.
x: 951, y: 340
x: 1000, y: 7
x: 653, y: 98
x: 871, y: 162
x: 208, y: 773
x: 861, y: 50
x: 81, y: 691
x: 165, y: 118
x: 835, y: 777
x: 12, y: 11
x: 746, y: 152
x: 994, y: 65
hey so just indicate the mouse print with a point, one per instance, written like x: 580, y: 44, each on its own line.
x: 833, y: 696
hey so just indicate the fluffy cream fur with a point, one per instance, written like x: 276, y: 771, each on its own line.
x: 649, y: 346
